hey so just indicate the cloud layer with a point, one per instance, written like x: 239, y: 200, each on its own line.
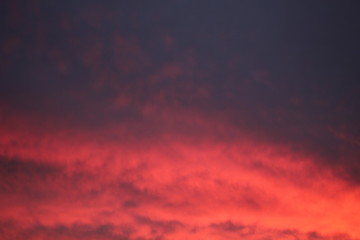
x: 133, y: 121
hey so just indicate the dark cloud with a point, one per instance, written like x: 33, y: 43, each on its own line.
x: 229, y: 226
x: 28, y: 177
x: 158, y: 230
x: 11, y: 230
x: 267, y: 72
x: 160, y: 227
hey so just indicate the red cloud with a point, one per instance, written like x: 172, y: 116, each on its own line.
x: 116, y: 131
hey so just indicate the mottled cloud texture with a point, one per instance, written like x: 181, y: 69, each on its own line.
x: 174, y: 120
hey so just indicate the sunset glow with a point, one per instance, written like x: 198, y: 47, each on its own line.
x: 174, y: 120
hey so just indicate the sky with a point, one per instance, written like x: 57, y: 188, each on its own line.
x: 179, y: 119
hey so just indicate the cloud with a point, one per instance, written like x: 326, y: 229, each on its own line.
x: 10, y: 230
x: 119, y: 121
x: 154, y: 230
